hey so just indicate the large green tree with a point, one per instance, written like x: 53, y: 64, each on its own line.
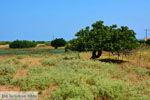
x: 103, y: 38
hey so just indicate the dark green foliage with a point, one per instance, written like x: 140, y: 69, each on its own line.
x: 142, y: 42
x: 6, y: 73
x: 22, y: 44
x: 58, y: 43
x: 7, y: 69
x: 148, y: 42
x: 121, y: 40
x: 104, y: 38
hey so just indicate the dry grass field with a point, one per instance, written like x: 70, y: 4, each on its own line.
x: 60, y: 75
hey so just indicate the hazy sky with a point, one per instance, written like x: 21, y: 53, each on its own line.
x: 43, y: 19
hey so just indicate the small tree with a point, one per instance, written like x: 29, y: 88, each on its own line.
x: 58, y: 43
x: 22, y: 44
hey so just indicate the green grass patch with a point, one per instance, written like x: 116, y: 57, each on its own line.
x: 8, y: 69
x: 6, y: 73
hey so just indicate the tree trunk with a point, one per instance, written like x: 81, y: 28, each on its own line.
x: 94, y: 55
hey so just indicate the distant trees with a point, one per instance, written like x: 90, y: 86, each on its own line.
x: 22, y: 44
x: 144, y: 42
x: 147, y: 42
x: 103, y: 38
x: 58, y: 42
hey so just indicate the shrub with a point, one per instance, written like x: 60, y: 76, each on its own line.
x: 58, y: 43
x: 25, y: 65
x: 7, y: 69
x: 148, y: 42
x: 7, y: 61
x: 142, y: 41
x: 22, y: 44
x: 5, y: 79
x: 39, y: 82
x: 77, y: 79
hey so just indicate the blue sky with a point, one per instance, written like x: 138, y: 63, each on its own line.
x: 45, y: 19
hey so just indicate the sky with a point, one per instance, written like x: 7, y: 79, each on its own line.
x: 44, y: 20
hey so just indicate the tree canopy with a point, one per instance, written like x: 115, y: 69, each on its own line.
x: 60, y: 42
x: 103, y: 38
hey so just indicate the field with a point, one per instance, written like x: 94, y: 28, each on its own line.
x: 60, y: 75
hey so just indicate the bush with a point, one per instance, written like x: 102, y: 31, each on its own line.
x: 58, y: 43
x: 75, y: 45
x: 148, y: 42
x: 16, y: 61
x: 22, y: 44
x: 142, y: 41
x: 25, y: 65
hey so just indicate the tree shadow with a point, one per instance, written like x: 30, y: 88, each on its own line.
x: 112, y: 61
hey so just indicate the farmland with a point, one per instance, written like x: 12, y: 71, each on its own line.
x: 60, y: 75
